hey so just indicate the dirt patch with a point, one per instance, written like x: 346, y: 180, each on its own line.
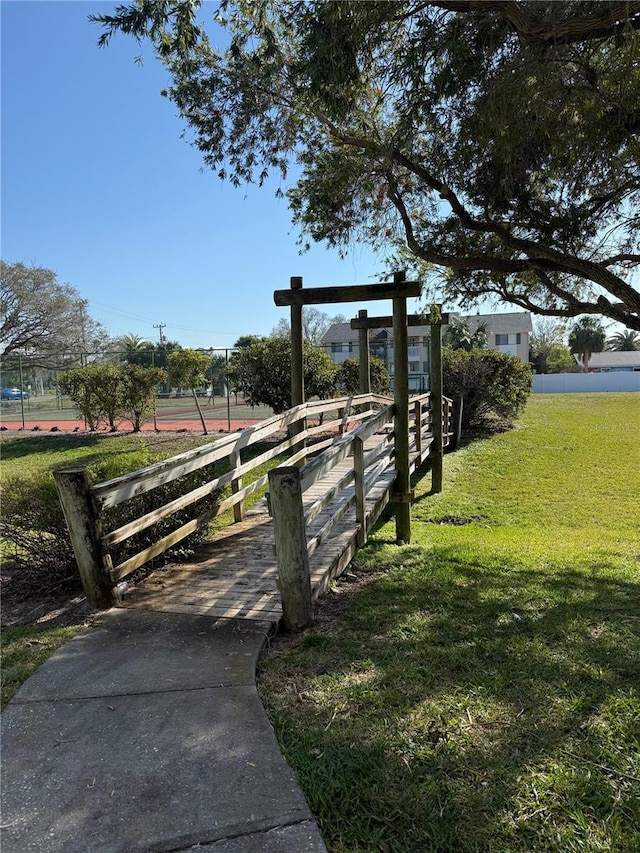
x: 461, y: 520
x: 331, y: 605
x: 51, y: 611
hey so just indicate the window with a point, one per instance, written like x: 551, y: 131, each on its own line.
x: 414, y: 367
x: 425, y: 366
x: 350, y: 347
x: 505, y: 340
x: 414, y: 342
x: 336, y: 347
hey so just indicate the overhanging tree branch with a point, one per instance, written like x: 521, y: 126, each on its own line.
x: 526, y: 133
x: 610, y: 19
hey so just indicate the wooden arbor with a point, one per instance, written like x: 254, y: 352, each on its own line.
x: 436, y: 319
x: 398, y: 291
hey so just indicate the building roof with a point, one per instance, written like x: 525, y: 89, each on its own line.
x: 340, y: 333
x: 497, y: 324
x: 501, y: 324
x: 612, y: 359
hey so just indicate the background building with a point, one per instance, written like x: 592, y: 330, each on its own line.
x: 508, y: 333
x: 611, y: 362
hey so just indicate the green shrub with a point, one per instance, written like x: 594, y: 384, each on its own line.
x: 347, y: 378
x: 106, y: 392
x: 36, y: 545
x: 492, y: 385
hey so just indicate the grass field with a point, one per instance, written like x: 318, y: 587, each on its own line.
x: 479, y: 689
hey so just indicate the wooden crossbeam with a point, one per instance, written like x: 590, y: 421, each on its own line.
x: 349, y: 293
x: 387, y: 322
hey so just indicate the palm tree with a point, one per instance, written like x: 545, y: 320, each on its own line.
x: 627, y: 341
x: 458, y: 335
x: 586, y: 337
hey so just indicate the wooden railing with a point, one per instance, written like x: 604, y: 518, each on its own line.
x: 84, y: 503
x: 288, y: 485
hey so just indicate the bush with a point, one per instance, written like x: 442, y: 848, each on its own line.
x: 36, y: 543
x: 263, y: 371
x: 37, y: 548
x: 492, y: 385
x: 108, y: 392
x: 347, y: 378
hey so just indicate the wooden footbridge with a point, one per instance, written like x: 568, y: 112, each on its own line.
x: 338, y: 465
x: 335, y: 474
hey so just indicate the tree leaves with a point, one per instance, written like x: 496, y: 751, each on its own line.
x: 505, y: 135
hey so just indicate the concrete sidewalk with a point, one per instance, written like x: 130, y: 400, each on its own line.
x: 146, y: 733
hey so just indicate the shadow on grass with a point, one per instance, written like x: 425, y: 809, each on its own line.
x: 19, y: 447
x: 461, y: 706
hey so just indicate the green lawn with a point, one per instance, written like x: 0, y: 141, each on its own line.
x: 24, y: 649
x: 480, y: 691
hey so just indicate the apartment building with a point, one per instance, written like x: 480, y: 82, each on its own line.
x: 508, y: 333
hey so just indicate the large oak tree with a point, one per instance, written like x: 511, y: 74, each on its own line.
x: 43, y: 318
x: 495, y: 141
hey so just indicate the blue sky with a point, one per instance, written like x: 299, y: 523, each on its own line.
x: 98, y: 186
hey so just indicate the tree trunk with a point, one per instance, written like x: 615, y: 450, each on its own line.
x: 199, y: 408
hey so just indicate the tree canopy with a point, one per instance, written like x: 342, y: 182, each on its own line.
x: 314, y: 324
x: 494, y: 140
x: 347, y: 378
x: 458, y: 335
x: 547, y: 333
x: 262, y: 370
x: 188, y: 369
x: 42, y: 317
x: 625, y: 341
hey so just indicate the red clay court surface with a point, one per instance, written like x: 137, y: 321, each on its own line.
x: 169, y: 418
x: 163, y: 425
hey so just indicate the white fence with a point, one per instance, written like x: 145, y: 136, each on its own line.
x: 572, y: 383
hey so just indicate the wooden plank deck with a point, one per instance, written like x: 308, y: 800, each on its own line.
x: 235, y: 576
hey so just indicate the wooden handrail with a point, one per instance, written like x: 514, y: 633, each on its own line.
x: 315, y: 469
x: 119, y: 489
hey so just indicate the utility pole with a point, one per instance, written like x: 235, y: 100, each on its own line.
x: 160, y: 327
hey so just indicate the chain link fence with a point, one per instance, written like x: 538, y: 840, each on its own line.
x: 30, y: 391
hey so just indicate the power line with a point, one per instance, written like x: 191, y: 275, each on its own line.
x: 160, y: 327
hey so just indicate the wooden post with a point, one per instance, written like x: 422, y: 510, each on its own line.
x: 436, y: 407
x: 85, y: 530
x: 294, y: 580
x: 236, y: 485
x: 297, y: 364
x: 361, y: 509
x: 446, y: 423
x: 418, y: 417
x: 458, y: 406
x: 401, y: 418
x: 363, y: 357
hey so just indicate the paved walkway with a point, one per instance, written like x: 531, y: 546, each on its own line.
x: 146, y: 733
